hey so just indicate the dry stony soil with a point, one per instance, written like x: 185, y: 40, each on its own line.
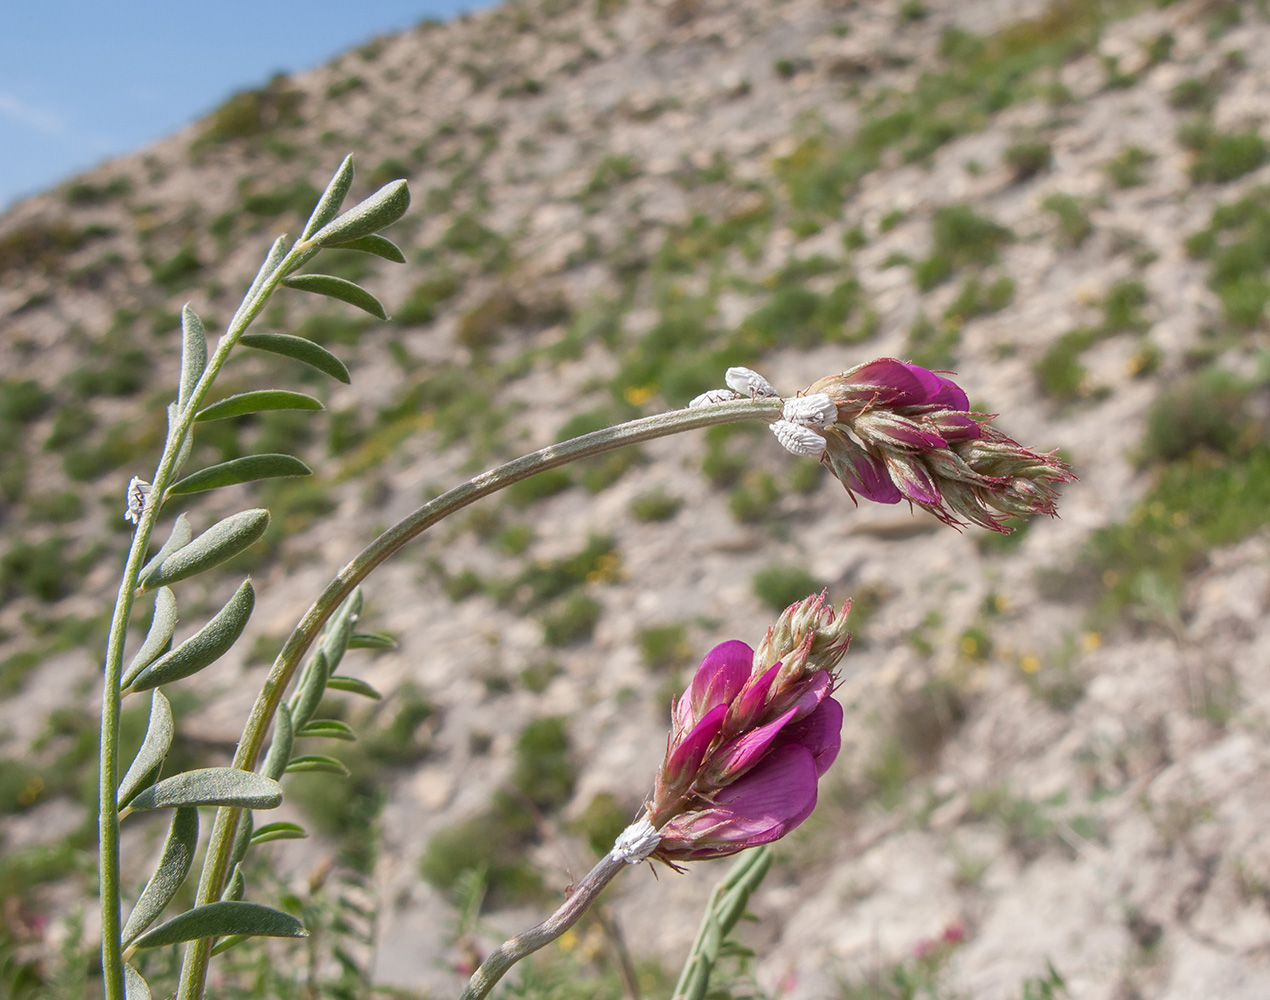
x: 1055, y: 777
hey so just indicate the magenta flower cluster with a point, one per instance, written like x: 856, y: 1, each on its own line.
x: 752, y: 735
x: 904, y: 432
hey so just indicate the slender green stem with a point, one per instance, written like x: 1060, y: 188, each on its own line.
x: 108, y: 763
x: 215, y: 867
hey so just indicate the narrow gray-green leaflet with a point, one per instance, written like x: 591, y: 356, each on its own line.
x: 353, y: 685
x: 237, y: 885
x: 310, y: 689
x: 316, y: 762
x: 332, y: 198
x: 193, y: 353
x: 371, y: 640
x: 381, y: 209
x: 338, y: 288
x: 380, y: 246
x: 212, y: 786
x: 275, y: 257
x: 220, y: 919
x: 135, y: 988
x: 278, y: 831
x: 180, y: 536
x: 257, y: 402
x: 240, y: 470
x: 223, y: 540
x: 205, y: 646
x: 299, y: 349
x: 339, y: 630
x: 158, y: 638
x: 169, y: 873
x: 279, y: 752
x: 154, y: 749
x: 331, y: 729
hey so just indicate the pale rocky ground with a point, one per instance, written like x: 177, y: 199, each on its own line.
x: 1136, y: 861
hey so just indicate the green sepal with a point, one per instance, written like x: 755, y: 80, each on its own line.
x: 222, y: 541
x: 258, y: 402
x: 205, y: 646
x: 144, y: 768
x: 240, y: 470
x: 299, y: 349
x: 169, y: 874
x: 337, y: 288
x: 212, y: 786
x: 221, y: 919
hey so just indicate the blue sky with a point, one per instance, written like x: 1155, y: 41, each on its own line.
x: 84, y: 80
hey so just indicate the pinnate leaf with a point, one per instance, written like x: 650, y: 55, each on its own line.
x: 338, y: 288
x: 257, y: 402
x: 212, y: 786
x: 223, y: 540
x: 205, y: 646
x: 240, y: 470
x: 220, y: 919
x: 154, y: 749
x: 279, y: 752
x: 169, y: 873
x: 298, y: 349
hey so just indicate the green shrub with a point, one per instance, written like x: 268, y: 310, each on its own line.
x: 86, y: 193
x: 43, y: 570
x: 420, y: 305
x: 1027, y: 159
x: 543, y: 770
x: 1128, y: 169
x: 655, y: 506
x: 1072, y: 214
x: 539, y: 487
x: 778, y: 586
x: 177, y: 271
x: 570, y: 621
x: 601, y: 823
x: 664, y: 648
x: 22, y: 401
x: 960, y: 237
x: 1221, y: 157
x: 252, y: 113
x: 1204, y: 412
x: 1237, y: 242
x: 1061, y: 374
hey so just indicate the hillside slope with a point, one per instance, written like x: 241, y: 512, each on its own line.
x: 1055, y: 755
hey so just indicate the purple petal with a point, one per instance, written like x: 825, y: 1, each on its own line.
x: 820, y: 733
x: 896, y: 383
x: 859, y: 471
x: 747, y: 705
x: 686, y: 758
x: 737, y: 757
x: 761, y: 807
x: 722, y: 674
x: 951, y: 395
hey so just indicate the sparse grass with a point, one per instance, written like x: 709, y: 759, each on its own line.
x: 665, y: 648
x: 1221, y: 157
x: 1237, y: 243
x: 779, y: 585
x: 1027, y: 159
x: 1128, y: 169
x: 1074, y: 226
x: 571, y: 620
x: 655, y: 506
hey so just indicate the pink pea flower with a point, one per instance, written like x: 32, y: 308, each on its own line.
x: 752, y: 735
x: 903, y: 432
